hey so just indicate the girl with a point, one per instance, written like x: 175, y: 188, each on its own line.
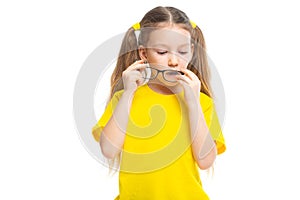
x: 160, y: 124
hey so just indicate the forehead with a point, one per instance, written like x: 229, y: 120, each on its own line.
x: 170, y: 36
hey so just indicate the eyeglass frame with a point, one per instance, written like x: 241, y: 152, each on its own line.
x: 163, y: 73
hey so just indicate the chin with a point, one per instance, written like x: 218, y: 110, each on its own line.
x: 170, y: 84
x: 165, y: 83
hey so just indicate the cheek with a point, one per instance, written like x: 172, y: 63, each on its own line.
x: 155, y: 58
x: 184, y: 62
x: 186, y: 59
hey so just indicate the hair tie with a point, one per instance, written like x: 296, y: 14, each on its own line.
x: 136, y: 26
x: 194, y: 25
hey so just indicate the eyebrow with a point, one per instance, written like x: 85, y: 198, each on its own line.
x: 165, y: 45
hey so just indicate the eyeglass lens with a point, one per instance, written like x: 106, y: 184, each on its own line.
x: 168, y: 75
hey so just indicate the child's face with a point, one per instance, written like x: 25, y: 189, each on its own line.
x: 168, y: 47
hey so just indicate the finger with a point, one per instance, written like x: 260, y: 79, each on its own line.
x: 183, y: 84
x: 137, y: 66
x: 137, y: 62
x: 189, y: 74
x: 140, y: 81
x: 184, y: 78
x: 133, y: 74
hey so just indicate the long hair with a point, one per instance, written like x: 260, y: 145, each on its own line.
x: 154, y: 18
x: 157, y: 17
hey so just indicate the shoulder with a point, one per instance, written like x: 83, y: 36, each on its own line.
x: 112, y: 103
x: 117, y: 95
x: 141, y: 90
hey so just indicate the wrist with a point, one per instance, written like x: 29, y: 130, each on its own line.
x: 128, y: 93
x: 194, y: 106
x: 127, y: 96
x: 193, y: 103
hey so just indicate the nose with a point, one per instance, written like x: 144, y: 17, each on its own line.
x: 172, y: 60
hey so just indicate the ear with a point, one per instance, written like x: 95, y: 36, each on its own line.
x: 142, y: 52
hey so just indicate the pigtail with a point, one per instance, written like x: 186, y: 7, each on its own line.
x: 127, y: 55
x: 199, y: 63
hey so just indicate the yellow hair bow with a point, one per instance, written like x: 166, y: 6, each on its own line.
x: 193, y: 24
x: 136, y: 26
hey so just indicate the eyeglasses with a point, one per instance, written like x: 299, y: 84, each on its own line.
x: 168, y: 74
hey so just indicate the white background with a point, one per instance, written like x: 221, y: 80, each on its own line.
x: 43, y: 44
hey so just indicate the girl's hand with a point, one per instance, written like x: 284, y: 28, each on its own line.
x: 191, y: 86
x: 132, y: 76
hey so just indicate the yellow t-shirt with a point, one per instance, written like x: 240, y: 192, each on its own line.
x: 157, y: 161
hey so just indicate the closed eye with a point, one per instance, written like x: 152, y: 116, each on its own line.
x: 182, y: 52
x: 162, y: 52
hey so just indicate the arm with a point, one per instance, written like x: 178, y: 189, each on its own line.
x: 113, y: 134
x: 203, y: 146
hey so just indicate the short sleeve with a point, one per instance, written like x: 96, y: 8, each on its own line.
x: 212, y: 122
x: 97, y: 129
